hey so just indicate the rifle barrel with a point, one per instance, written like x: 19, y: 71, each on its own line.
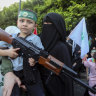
x: 80, y: 82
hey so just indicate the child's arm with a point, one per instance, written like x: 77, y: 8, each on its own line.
x: 9, y: 52
x: 85, y: 62
x: 6, y: 65
x: 85, y: 58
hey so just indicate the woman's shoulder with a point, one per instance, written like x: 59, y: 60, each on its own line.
x: 61, y: 45
x: 62, y: 48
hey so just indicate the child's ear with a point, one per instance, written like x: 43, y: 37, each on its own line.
x: 35, y: 26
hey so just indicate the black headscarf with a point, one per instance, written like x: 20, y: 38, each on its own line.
x: 51, y: 33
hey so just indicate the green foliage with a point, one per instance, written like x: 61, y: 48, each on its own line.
x: 9, y: 16
x: 71, y: 10
x: 73, y: 14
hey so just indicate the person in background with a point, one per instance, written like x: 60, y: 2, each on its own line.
x: 92, y: 46
x: 91, y: 65
x: 90, y: 60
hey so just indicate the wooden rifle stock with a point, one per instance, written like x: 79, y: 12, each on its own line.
x: 46, y: 63
x: 55, y: 65
x: 5, y: 36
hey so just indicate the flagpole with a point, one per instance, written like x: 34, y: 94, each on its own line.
x: 19, y: 6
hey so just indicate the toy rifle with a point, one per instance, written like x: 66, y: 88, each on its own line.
x: 48, y: 61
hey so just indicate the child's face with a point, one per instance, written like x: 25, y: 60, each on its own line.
x: 25, y: 25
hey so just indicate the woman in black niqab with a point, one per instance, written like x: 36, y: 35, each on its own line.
x: 53, y: 38
x: 51, y: 33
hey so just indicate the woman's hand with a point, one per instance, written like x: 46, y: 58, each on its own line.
x: 9, y: 80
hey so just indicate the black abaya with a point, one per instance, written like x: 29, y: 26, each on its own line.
x: 61, y: 85
x: 58, y: 85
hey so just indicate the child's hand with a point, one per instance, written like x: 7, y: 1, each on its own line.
x: 85, y: 58
x: 31, y: 61
x: 13, y: 52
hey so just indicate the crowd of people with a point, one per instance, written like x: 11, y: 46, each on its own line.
x: 25, y: 76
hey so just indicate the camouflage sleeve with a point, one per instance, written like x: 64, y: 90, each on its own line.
x: 6, y: 65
